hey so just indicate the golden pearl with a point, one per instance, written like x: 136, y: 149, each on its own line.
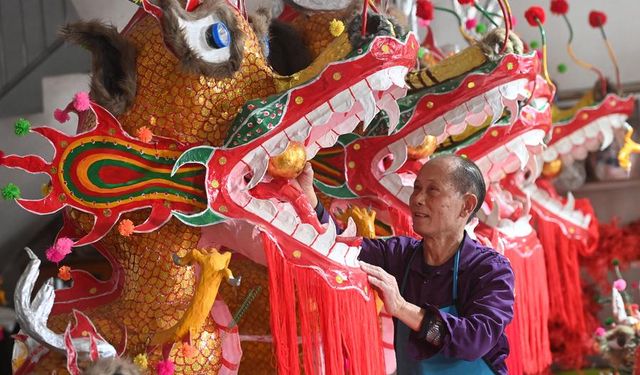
x: 425, y: 149
x: 551, y: 169
x: 290, y: 163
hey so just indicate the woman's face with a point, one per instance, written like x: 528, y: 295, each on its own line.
x: 436, y: 205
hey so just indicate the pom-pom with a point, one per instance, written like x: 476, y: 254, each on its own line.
x: 421, y: 52
x: 188, y: 351
x: 10, y: 191
x: 336, y: 27
x: 534, y: 44
x: 60, y: 249
x: 471, y: 23
x: 615, y: 262
x: 600, y: 331
x: 562, y: 68
x: 141, y: 361
x: 424, y: 10
x: 126, y: 227
x: 559, y: 7
x: 620, y: 285
x: 465, y: 2
x: 535, y: 14
x: 64, y: 273
x: 597, y: 19
x: 609, y: 321
x: 165, y: 367
x: 144, y: 134
x: 61, y: 116
x: 22, y: 127
x: 481, y: 28
x: 81, y: 101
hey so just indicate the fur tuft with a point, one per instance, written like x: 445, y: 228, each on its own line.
x: 113, y: 78
x: 491, y: 44
x: 112, y: 366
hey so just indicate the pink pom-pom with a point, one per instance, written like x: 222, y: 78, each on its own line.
x: 620, y: 285
x: 60, y: 249
x: 81, y: 101
x: 471, y: 23
x: 61, y: 116
x: 165, y: 367
x: 600, y: 332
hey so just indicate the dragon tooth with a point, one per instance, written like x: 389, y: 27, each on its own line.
x: 380, y: 81
x: 323, y: 242
x: 320, y: 115
x: 399, y: 151
x: 258, y: 161
x: 276, y: 145
x: 305, y: 233
x: 343, y: 102
x: 397, y: 75
x: 351, y: 258
x: 338, y: 252
x: 571, y: 201
x: 390, y: 107
x: 607, y: 136
x: 285, y: 221
x: 264, y: 209
x: 369, y: 109
x: 351, y: 230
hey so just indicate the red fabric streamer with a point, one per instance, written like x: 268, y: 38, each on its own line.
x: 339, y: 328
x: 535, y: 13
x: 402, y: 223
x: 528, y: 333
x: 597, y: 19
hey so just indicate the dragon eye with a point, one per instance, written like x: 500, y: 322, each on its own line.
x: 218, y: 36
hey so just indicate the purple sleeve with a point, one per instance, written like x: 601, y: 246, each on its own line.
x: 484, y: 314
x: 389, y: 254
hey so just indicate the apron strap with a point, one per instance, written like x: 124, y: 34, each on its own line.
x: 456, y: 263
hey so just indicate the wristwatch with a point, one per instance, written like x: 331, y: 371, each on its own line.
x: 434, y: 334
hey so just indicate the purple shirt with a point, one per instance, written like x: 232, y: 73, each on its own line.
x: 485, y: 296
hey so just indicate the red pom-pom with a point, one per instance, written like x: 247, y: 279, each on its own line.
x: 559, y: 7
x: 534, y: 14
x: 60, y: 249
x: 424, y: 9
x: 597, y: 19
x: 81, y: 101
x: 61, y: 116
x: 165, y: 367
x: 470, y: 23
x: 465, y: 2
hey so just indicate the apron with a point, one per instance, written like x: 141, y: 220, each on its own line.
x: 438, y: 364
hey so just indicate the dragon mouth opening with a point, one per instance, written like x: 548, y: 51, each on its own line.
x: 576, y: 145
x: 319, y: 128
x: 467, y: 117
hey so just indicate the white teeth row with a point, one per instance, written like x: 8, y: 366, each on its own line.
x: 597, y: 135
x: 496, y: 165
x: 286, y: 220
x: 400, y: 186
x: 473, y: 112
x: 520, y: 228
x: 567, y: 211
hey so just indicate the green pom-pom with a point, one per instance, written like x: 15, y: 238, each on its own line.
x: 562, y: 68
x: 22, y: 127
x: 534, y: 44
x: 481, y: 28
x: 615, y: 262
x: 11, y: 191
x: 421, y: 52
x: 608, y: 322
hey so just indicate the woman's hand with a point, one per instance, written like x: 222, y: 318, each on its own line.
x: 304, y: 182
x: 387, y: 286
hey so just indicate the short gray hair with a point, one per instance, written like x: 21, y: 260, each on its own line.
x: 466, y: 177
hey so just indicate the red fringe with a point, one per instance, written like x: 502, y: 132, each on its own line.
x: 528, y: 333
x: 339, y: 328
x: 566, y: 315
x: 402, y: 224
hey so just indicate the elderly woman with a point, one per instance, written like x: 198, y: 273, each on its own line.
x: 450, y: 296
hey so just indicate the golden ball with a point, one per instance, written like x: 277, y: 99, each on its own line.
x: 290, y: 163
x: 425, y: 149
x: 552, y: 169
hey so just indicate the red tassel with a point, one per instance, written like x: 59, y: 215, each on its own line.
x: 339, y: 328
x: 402, y: 224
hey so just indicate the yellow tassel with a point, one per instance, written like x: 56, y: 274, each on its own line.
x: 629, y: 148
x: 141, y: 361
x: 336, y: 27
